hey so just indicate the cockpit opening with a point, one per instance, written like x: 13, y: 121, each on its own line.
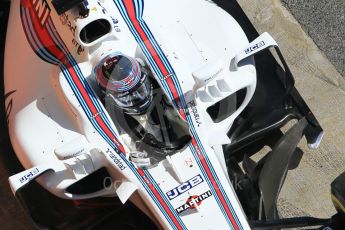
x: 140, y: 110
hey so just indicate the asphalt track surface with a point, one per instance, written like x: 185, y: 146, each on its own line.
x: 324, y: 21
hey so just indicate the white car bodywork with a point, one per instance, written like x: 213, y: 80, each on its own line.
x: 61, y: 131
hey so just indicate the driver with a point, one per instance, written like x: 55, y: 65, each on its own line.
x: 124, y: 80
x: 150, y: 121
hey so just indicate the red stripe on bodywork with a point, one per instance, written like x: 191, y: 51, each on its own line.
x: 215, y: 185
x: 49, y: 44
x: 160, y: 199
x: 132, y: 15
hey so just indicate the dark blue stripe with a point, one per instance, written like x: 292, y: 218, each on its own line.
x: 184, y: 105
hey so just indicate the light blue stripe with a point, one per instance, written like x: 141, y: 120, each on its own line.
x: 76, y: 91
x: 184, y: 105
x: 35, y: 43
x: 172, y: 224
x: 137, y: 12
x: 222, y: 190
x: 69, y: 79
x: 147, y: 173
x: 160, y: 53
x: 153, y: 64
x: 155, y: 44
x: 211, y: 186
x: 85, y: 107
x: 134, y: 32
x: 142, y: 45
x: 76, y: 68
x: 149, y: 191
x: 215, y: 194
x: 113, y: 145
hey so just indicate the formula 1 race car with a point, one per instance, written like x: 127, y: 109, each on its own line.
x: 154, y: 104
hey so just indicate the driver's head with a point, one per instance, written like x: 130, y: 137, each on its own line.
x: 126, y: 81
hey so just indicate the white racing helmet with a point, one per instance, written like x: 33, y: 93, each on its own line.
x: 123, y: 79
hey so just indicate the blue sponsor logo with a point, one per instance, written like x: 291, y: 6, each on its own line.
x: 184, y: 187
x: 254, y: 47
x: 29, y: 176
